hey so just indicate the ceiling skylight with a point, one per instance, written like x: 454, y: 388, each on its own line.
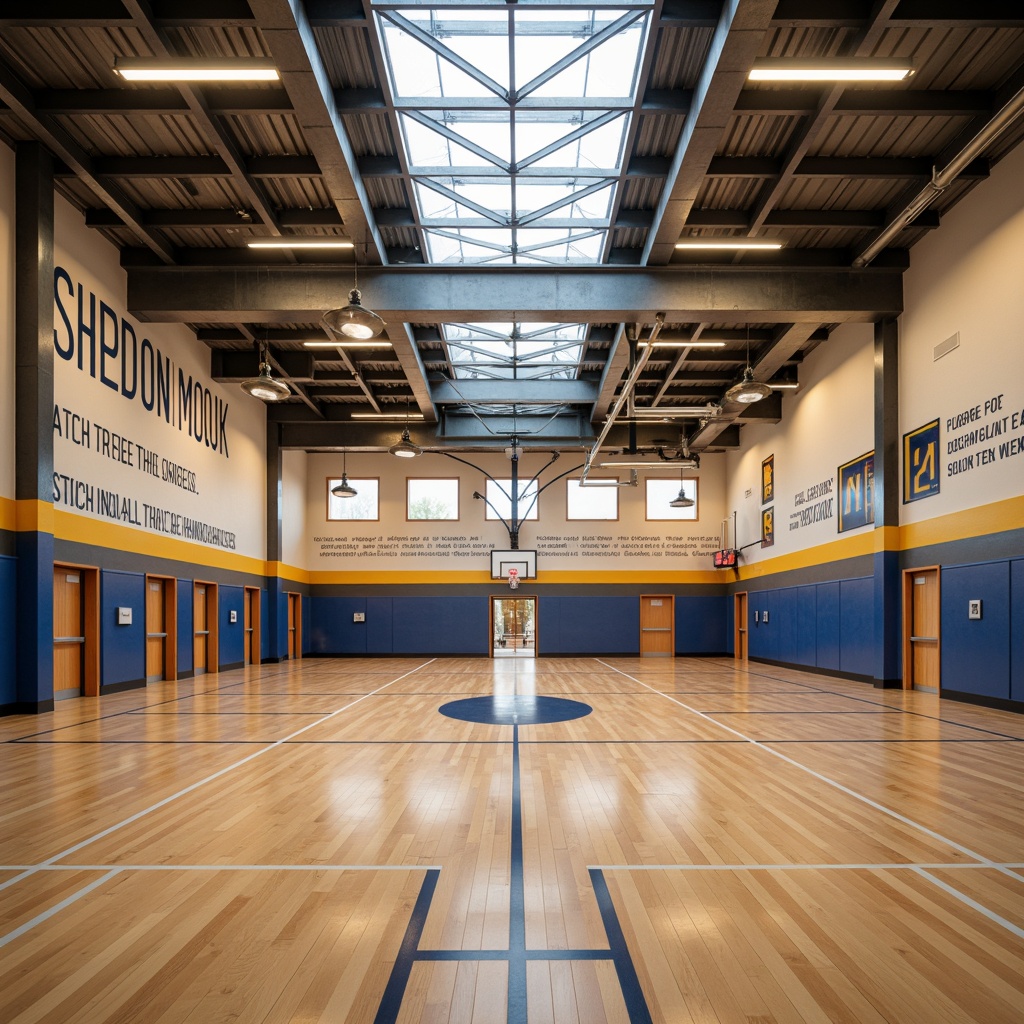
x: 514, y: 351
x: 514, y: 122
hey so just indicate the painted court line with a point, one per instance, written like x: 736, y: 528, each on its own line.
x: 248, y: 867
x: 974, y: 904
x: 897, y: 866
x: 57, y: 908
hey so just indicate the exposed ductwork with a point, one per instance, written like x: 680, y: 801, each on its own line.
x: 941, y: 180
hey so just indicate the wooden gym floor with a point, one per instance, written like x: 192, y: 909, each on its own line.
x: 314, y: 842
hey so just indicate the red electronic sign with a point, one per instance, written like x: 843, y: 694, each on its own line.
x: 725, y: 559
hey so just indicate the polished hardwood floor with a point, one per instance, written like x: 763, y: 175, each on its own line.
x: 315, y: 842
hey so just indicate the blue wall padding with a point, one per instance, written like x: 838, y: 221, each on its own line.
x: 332, y: 629
x: 976, y: 654
x: 588, y: 625
x: 703, y: 625
x: 186, y: 631
x: 440, y: 625
x: 827, y: 621
x: 232, y: 634
x: 8, y: 651
x: 122, y: 648
x: 857, y: 626
x: 1017, y: 629
x: 380, y: 626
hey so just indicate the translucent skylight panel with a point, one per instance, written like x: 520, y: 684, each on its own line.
x: 416, y: 70
x: 608, y: 70
x: 533, y: 194
x: 561, y: 246
x: 601, y: 147
x: 428, y: 148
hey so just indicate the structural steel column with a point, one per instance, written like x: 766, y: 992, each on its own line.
x: 887, y: 597
x: 277, y: 600
x: 33, y: 425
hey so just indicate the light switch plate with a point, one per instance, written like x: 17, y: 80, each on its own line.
x: 974, y: 609
x: 359, y: 616
x: 764, y: 615
x: 232, y: 615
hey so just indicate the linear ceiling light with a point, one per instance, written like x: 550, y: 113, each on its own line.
x: 782, y: 69
x: 783, y: 385
x: 398, y: 416
x: 347, y: 343
x: 681, y: 344
x: 664, y: 412
x: 228, y: 69
x: 639, y: 462
x: 298, y: 242
x: 730, y: 244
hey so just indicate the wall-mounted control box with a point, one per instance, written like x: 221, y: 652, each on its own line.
x: 359, y: 616
x: 124, y: 616
x: 974, y: 609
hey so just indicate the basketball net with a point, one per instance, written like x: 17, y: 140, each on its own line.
x: 513, y: 579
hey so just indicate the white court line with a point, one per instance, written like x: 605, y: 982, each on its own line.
x: 897, y: 866
x: 974, y: 904
x: 223, y: 771
x: 822, y: 778
x: 57, y: 908
x: 266, y: 867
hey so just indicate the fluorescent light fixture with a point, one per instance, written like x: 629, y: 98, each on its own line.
x: 730, y: 244
x: 783, y: 385
x: 658, y: 343
x: 399, y: 416
x: 637, y: 462
x: 297, y: 242
x: 782, y: 69
x: 227, y: 69
x: 664, y: 412
x: 344, y: 343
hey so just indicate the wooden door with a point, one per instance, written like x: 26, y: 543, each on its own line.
x: 200, y: 627
x: 921, y: 640
x: 68, y: 633
x: 514, y: 626
x: 156, y: 630
x: 294, y: 625
x: 251, y: 616
x: 739, y: 646
x: 657, y: 626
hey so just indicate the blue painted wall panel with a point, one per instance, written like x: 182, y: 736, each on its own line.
x: 762, y: 636
x: 122, y: 648
x: 805, y: 651
x: 379, y: 625
x: 186, y: 649
x: 857, y: 626
x: 441, y: 625
x: 701, y: 625
x: 976, y: 654
x: 307, y: 616
x: 827, y: 619
x: 8, y: 650
x: 333, y: 631
x: 785, y: 627
x: 232, y: 634
x: 590, y: 625
x: 1017, y: 629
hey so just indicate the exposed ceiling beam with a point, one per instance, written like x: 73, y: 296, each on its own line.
x: 736, y: 43
x: 286, y: 30
x: 112, y: 13
x: 871, y: 102
x: 910, y: 13
x: 225, y: 218
x: 270, y: 295
x: 199, y: 167
x: 892, y: 168
x: 804, y: 219
x: 220, y: 100
x: 513, y: 392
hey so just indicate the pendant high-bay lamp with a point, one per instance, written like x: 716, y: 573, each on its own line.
x: 263, y: 386
x: 406, y: 449
x: 344, y: 489
x: 748, y: 390
x: 354, y: 321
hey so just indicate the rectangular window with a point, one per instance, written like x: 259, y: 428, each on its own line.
x: 599, y: 502
x: 661, y: 493
x: 364, y: 504
x: 432, y: 498
x: 499, y: 500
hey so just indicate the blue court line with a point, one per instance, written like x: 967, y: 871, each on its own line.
x: 517, y: 955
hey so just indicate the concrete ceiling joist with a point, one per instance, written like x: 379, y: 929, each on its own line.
x: 428, y: 295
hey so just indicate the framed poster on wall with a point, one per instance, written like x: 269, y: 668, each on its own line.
x: 921, y: 462
x: 768, y: 480
x: 857, y: 492
x: 768, y: 527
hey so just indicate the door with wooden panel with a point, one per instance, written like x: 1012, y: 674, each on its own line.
x: 68, y: 633
x: 251, y: 617
x: 200, y: 627
x: 921, y: 644
x: 156, y: 630
x: 657, y: 626
x: 739, y: 647
x: 294, y: 625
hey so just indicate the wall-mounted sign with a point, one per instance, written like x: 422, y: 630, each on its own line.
x: 921, y: 462
x: 857, y: 492
x: 768, y: 527
x: 768, y: 480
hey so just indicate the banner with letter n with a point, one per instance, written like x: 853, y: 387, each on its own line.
x: 857, y: 492
x: 921, y: 462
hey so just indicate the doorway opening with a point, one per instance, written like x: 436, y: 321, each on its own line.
x: 251, y: 623
x: 513, y: 627
x: 206, y: 642
x: 76, y: 631
x: 657, y: 626
x: 161, y: 628
x: 921, y: 640
x: 294, y: 625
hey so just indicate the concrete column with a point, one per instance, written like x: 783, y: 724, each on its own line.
x: 277, y: 600
x: 33, y: 328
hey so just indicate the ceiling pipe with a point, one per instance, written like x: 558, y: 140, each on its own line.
x: 626, y: 393
x: 941, y: 180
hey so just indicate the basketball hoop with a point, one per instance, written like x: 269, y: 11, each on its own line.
x: 513, y: 578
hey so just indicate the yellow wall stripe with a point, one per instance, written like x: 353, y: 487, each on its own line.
x: 469, y: 576
x: 982, y: 521
x: 8, y: 514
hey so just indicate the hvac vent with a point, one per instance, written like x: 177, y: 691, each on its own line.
x: 945, y: 347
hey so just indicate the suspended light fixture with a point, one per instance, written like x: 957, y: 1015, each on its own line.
x: 748, y: 390
x: 344, y: 489
x: 263, y: 386
x: 354, y: 320
x: 405, y: 449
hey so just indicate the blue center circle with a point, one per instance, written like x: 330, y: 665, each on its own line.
x: 515, y: 709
